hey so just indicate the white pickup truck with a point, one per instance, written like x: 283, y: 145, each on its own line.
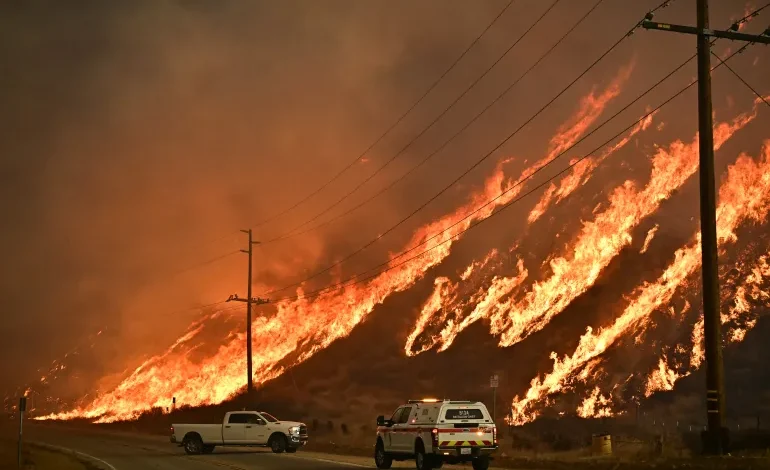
x: 241, y: 428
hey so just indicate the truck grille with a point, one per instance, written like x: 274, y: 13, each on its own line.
x: 303, y: 430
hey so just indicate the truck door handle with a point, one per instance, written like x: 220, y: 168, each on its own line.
x: 247, y: 427
x: 227, y: 426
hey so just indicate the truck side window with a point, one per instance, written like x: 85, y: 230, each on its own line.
x: 404, y: 418
x: 397, y: 415
x: 252, y: 419
x: 238, y: 418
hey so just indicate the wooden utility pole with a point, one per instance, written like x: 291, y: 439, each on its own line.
x: 715, y: 439
x: 249, y: 302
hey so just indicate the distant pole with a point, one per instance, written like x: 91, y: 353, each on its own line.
x: 249, y: 301
x: 494, y: 381
x: 22, y: 408
x: 250, y: 376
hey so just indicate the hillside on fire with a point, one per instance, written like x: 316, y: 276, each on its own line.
x: 533, y: 213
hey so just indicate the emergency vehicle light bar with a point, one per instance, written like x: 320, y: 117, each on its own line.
x: 445, y: 400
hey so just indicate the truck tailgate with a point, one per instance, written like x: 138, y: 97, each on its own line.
x: 469, y: 435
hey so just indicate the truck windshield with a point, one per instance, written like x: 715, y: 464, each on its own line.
x: 270, y: 418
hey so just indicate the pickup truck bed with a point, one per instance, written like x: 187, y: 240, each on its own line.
x: 241, y: 428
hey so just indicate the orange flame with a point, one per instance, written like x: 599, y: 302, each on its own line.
x: 597, y: 244
x: 603, y: 238
x: 590, y: 109
x: 648, y: 239
x: 663, y: 378
x: 740, y: 317
x: 581, y: 173
x: 302, y: 327
x: 743, y: 196
x: 595, y: 405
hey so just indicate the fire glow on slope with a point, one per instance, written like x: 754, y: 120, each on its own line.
x: 740, y: 319
x: 744, y: 196
x: 581, y: 173
x: 302, y: 327
x: 591, y: 108
x: 596, y: 245
x: 603, y: 238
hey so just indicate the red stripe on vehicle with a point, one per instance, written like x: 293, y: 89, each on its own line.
x: 487, y: 443
x: 444, y: 443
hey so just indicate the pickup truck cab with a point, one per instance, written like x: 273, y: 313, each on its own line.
x: 434, y: 432
x: 241, y: 428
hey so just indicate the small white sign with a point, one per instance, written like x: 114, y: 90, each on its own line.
x: 494, y: 381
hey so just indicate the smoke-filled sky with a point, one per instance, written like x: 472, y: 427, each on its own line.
x: 132, y: 134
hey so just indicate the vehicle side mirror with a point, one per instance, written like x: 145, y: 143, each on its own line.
x: 261, y: 422
x: 380, y: 420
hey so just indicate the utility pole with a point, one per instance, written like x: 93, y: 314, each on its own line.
x: 22, y: 409
x: 249, y: 302
x: 715, y: 438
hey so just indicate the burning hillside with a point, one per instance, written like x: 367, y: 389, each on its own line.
x: 299, y: 329
x: 591, y: 257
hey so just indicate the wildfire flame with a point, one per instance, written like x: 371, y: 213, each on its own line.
x: 596, y: 245
x: 317, y: 322
x: 743, y: 196
x: 591, y: 108
x: 300, y: 328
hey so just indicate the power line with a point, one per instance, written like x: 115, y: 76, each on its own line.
x: 356, y: 279
x: 392, y: 126
x: 476, y: 164
x: 204, y: 263
x: 448, y: 141
x: 426, y: 129
x: 746, y: 18
x: 741, y: 79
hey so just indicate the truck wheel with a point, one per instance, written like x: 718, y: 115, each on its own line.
x: 481, y: 463
x: 422, y: 460
x: 208, y: 448
x: 278, y: 444
x: 381, y: 458
x: 193, y: 445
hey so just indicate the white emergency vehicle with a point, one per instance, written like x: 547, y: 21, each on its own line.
x: 434, y: 432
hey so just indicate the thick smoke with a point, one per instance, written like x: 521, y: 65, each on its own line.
x: 130, y: 134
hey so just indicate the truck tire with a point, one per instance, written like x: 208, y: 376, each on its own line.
x: 193, y: 444
x: 278, y: 443
x: 382, y: 459
x: 422, y: 460
x: 208, y: 448
x: 481, y: 463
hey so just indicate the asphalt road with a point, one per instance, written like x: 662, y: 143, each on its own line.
x: 136, y: 452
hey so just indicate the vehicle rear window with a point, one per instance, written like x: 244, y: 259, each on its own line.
x: 463, y: 413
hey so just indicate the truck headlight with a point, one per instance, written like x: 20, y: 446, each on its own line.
x: 294, y: 430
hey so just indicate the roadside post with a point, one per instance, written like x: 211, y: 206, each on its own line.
x: 22, y: 409
x: 494, y: 381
